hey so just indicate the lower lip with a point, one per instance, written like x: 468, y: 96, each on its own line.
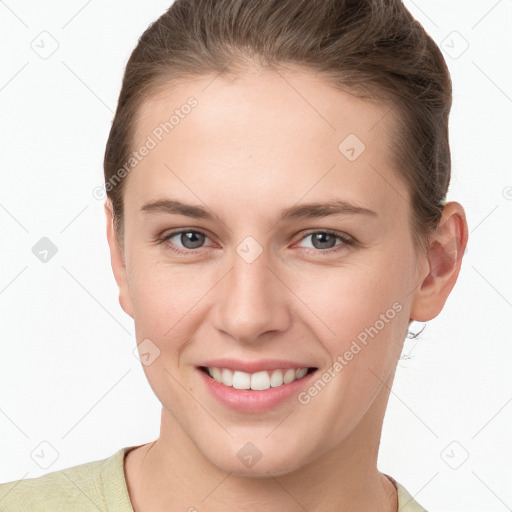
x: 247, y: 400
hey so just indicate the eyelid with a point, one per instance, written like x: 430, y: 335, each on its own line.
x: 341, y: 234
x: 347, y: 240
x: 165, y: 238
x: 308, y: 232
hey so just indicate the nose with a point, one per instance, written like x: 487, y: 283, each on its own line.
x: 252, y: 300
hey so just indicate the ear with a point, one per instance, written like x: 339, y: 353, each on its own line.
x: 444, y: 257
x: 117, y: 261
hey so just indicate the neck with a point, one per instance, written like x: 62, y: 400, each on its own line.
x: 171, y: 474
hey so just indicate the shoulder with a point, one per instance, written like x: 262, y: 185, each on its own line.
x: 406, y: 503
x: 83, y: 488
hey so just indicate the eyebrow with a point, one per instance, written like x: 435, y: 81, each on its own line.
x: 300, y: 211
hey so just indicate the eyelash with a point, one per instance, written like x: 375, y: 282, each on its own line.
x: 346, y: 239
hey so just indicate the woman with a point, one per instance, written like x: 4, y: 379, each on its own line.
x: 277, y: 175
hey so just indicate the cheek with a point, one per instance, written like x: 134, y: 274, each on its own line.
x: 349, y: 293
x: 163, y: 315
x: 358, y: 302
x: 167, y: 300
x: 159, y: 298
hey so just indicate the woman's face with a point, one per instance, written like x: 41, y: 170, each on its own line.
x: 271, y: 272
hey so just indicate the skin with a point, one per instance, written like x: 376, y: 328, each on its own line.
x: 252, y: 147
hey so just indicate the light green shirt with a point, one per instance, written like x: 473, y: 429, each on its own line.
x: 98, y: 486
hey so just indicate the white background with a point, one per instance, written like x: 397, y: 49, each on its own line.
x: 68, y: 376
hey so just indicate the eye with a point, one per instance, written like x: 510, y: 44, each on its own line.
x: 189, y: 239
x: 324, y: 241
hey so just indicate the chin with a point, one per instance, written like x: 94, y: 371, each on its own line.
x: 260, y: 459
x: 261, y: 469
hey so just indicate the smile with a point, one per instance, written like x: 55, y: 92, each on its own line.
x: 258, y: 381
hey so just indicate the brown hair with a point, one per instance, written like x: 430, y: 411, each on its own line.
x: 374, y: 49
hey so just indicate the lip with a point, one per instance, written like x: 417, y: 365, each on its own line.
x: 254, y: 366
x: 250, y: 401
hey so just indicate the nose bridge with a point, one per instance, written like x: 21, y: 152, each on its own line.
x: 252, y: 300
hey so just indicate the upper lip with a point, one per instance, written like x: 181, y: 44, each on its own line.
x: 254, y: 366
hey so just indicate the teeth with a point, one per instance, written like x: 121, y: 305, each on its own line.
x: 300, y: 373
x: 227, y: 377
x: 276, y: 378
x: 260, y: 381
x: 216, y: 374
x: 241, y: 380
x: 256, y: 381
x: 289, y: 376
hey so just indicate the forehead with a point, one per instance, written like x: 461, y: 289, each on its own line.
x: 266, y: 98
x: 264, y: 131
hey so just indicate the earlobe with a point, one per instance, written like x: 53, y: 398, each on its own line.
x: 117, y: 261
x: 444, y: 256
